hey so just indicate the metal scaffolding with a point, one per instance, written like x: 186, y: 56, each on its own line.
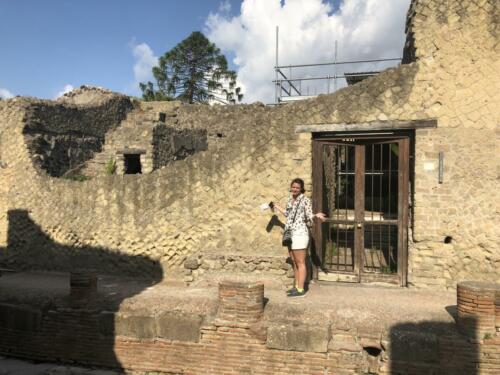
x: 288, y: 88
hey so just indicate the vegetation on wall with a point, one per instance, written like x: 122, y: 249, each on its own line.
x: 77, y: 177
x: 194, y: 71
x: 110, y: 166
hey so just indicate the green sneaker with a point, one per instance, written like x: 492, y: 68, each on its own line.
x: 296, y: 294
x: 291, y: 290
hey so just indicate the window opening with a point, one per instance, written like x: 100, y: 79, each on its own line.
x: 132, y: 163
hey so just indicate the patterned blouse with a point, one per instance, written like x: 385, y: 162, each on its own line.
x: 304, y: 215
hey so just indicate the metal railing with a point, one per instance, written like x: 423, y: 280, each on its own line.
x: 289, y: 88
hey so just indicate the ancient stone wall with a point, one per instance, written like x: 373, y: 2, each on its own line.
x: 95, y: 119
x: 170, y: 144
x: 62, y: 136
x: 208, y: 202
x: 134, y: 135
x: 234, y: 336
x: 59, y: 154
x: 153, y: 133
x: 451, y: 76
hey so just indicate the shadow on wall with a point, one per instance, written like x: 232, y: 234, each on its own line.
x: 431, y: 348
x: 274, y: 222
x: 73, y: 326
x: 30, y: 248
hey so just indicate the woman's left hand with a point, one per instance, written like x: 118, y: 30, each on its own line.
x: 321, y: 216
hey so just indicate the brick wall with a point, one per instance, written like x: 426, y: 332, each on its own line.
x: 478, y: 309
x: 237, y: 340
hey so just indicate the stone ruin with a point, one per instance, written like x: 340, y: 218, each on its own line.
x: 205, y: 171
x: 242, y: 328
x: 92, y: 131
x: 192, y: 213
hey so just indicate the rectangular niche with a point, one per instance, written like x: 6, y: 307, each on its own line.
x: 132, y: 163
x: 132, y: 160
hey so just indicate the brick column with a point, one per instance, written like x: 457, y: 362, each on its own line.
x: 240, y: 304
x: 83, y: 287
x: 478, y: 305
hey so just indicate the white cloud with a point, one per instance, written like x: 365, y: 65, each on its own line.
x: 225, y: 7
x: 145, y: 59
x: 5, y: 94
x: 67, y: 88
x: 364, y: 29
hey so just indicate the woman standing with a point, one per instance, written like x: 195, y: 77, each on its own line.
x: 299, y: 214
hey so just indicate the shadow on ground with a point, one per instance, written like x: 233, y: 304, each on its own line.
x: 431, y: 347
x: 56, y: 326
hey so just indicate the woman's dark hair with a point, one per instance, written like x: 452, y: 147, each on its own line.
x: 300, y: 182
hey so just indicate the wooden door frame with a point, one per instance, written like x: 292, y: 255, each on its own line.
x: 404, y: 138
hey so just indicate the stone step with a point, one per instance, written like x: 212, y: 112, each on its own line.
x: 209, y: 266
x: 212, y: 279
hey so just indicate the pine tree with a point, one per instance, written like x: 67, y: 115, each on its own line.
x: 194, y: 71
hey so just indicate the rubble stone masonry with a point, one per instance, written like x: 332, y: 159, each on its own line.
x: 208, y: 203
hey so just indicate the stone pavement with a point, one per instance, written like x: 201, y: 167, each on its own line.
x: 11, y: 366
x: 344, y: 305
x: 376, y: 305
x: 14, y: 366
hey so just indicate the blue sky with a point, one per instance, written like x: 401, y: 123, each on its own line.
x: 47, y: 45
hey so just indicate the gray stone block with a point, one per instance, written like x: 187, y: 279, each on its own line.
x: 303, y: 338
x: 141, y: 327
x: 191, y: 263
x: 344, y: 343
x: 179, y: 326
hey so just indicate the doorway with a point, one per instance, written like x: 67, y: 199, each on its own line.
x: 362, y: 183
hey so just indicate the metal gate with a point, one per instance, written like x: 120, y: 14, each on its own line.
x: 361, y: 184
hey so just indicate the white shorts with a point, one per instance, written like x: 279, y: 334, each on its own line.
x: 300, y: 241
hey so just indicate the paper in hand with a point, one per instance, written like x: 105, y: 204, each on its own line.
x: 264, y: 206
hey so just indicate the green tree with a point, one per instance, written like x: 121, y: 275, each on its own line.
x: 150, y: 94
x: 194, y: 71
